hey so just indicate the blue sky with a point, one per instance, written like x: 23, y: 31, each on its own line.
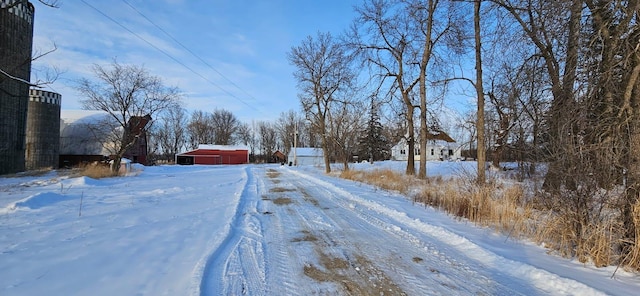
x: 246, y: 41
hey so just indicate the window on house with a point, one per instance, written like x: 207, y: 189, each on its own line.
x: 432, y: 152
x: 450, y: 152
x: 402, y: 151
x: 417, y: 152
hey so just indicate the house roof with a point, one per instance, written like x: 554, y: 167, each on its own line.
x: 440, y: 135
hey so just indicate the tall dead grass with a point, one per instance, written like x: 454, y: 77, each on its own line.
x: 511, y: 210
x: 487, y: 206
x: 385, y: 179
x: 95, y: 171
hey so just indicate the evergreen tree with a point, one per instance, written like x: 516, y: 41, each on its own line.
x: 373, y: 145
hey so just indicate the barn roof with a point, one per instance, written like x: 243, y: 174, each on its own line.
x: 207, y: 149
x: 221, y: 147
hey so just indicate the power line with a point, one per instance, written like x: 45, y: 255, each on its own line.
x: 169, y: 55
x: 187, y: 49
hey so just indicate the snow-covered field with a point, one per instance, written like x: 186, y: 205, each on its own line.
x: 261, y: 230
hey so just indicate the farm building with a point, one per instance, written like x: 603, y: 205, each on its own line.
x: 440, y: 146
x: 306, y: 156
x: 89, y: 136
x: 78, y: 140
x: 214, y: 154
x: 278, y: 156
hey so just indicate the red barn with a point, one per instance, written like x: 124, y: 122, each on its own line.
x: 214, y: 154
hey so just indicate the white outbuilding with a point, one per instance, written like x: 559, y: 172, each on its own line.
x: 306, y: 156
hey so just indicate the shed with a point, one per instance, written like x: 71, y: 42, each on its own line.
x: 306, y: 156
x: 279, y: 156
x: 214, y: 154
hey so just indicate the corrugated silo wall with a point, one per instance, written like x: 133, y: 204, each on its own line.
x: 43, y: 130
x: 16, y: 39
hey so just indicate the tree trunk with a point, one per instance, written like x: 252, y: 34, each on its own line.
x: 426, y: 55
x: 480, y: 92
x: 561, y: 130
x: 325, y: 147
x: 411, y: 166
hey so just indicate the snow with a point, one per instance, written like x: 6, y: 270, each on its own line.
x: 221, y: 147
x: 262, y: 230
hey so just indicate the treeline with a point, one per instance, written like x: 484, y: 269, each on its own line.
x: 176, y: 130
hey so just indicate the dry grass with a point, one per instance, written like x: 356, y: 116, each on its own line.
x: 95, y: 171
x: 386, y: 179
x: 634, y: 257
x: 507, y: 209
x: 487, y: 206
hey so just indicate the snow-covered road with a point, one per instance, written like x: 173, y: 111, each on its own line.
x: 297, y: 234
x: 259, y: 230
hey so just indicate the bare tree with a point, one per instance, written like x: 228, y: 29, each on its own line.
x: 544, y: 24
x: 268, y: 139
x: 503, y: 97
x: 479, y: 92
x: 431, y: 27
x: 613, y: 103
x: 171, y: 133
x: 345, y: 122
x: 385, y: 33
x: 199, y: 129
x: 131, y: 96
x: 288, y: 125
x: 323, y: 72
x: 245, y: 134
x: 224, y: 126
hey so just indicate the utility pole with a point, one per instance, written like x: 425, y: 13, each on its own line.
x: 295, y: 145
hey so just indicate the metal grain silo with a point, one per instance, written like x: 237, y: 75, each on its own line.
x: 43, y: 130
x: 16, y: 39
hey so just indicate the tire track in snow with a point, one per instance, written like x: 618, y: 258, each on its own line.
x: 278, y: 271
x: 361, y: 233
x: 237, y: 265
x: 543, y: 280
x: 331, y: 264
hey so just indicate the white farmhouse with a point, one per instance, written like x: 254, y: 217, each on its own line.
x: 440, y: 146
